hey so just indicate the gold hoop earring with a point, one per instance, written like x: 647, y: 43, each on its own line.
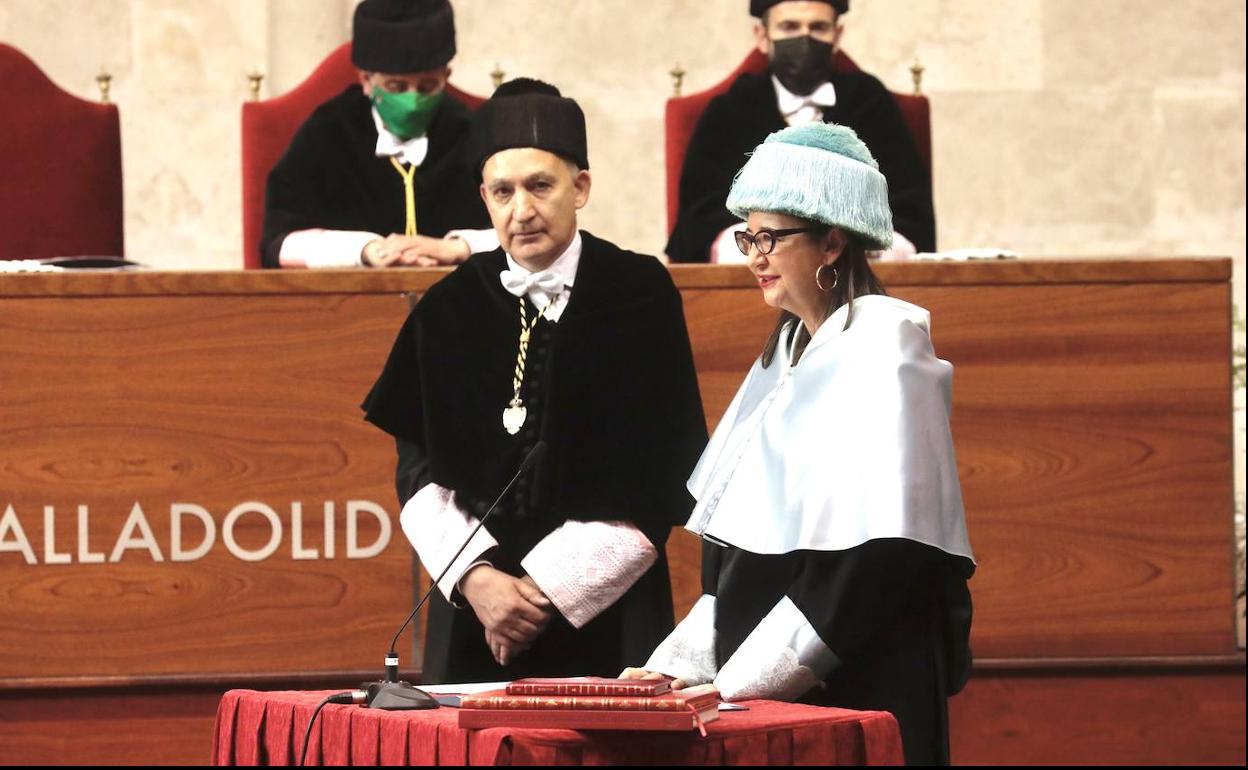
x: 836, y: 276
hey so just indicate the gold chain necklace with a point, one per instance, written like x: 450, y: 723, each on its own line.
x: 516, y: 413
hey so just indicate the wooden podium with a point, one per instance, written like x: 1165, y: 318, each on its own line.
x: 190, y: 500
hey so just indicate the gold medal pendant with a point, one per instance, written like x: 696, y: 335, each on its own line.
x: 514, y: 416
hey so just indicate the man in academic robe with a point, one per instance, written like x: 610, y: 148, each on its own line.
x: 800, y: 38
x: 560, y: 337
x: 376, y: 176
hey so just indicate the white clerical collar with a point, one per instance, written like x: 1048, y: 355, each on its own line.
x: 803, y: 109
x: 411, y: 151
x: 564, y: 267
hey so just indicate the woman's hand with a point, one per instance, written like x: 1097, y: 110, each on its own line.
x: 641, y: 673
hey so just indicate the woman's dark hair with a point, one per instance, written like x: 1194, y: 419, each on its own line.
x: 854, y: 279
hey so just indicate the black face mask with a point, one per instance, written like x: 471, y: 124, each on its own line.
x: 801, y: 64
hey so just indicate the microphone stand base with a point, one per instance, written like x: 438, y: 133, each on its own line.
x: 398, y: 696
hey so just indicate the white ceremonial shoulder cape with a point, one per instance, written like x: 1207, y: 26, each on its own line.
x: 850, y: 445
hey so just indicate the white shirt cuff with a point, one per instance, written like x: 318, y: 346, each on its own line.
x: 324, y: 248
x: 724, y: 249
x: 583, y: 567
x: 688, y: 652
x: 478, y: 241
x: 781, y: 659
x: 436, y: 528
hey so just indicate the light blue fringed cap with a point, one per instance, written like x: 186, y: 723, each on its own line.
x: 821, y: 172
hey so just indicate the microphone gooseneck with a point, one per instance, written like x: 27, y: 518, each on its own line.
x: 392, y: 693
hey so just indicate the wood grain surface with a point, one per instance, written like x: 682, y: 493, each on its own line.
x: 1091, y: 419
x: 1029, y: 272
x: 205, y: 400
x: 1131, y: 718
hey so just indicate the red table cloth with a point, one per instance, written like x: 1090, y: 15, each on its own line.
x: 266, y: 728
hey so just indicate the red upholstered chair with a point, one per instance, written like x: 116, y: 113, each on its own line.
x: 269, y: 125
x: 682, y: 113
x: 60, y: 168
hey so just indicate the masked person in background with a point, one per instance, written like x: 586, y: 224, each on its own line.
x: 800, y: 39
x: 376, y: 176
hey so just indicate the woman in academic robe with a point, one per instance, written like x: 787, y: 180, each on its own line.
x: 835, y: 553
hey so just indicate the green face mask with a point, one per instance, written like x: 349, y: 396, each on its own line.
x: 407, y: 114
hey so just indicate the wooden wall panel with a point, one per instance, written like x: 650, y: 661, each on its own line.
x: 109, y: 728
x: 1137, y: 717
x: 170, y: 723
x: 1094, y: 445
x: 212, y: 401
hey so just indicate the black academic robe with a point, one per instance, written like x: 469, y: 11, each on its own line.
x: 612, y: 391
x: 897, y: 613
x: 737, y: 121
x: 330, y: 177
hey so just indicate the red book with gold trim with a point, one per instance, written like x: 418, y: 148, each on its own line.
x: 589, y: 685
x: 694, y: 711
x: 679, y: 700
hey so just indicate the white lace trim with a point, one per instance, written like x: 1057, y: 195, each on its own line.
x: 436, y: 528
x: 688, y: 652
x: 781, y: 659
x: 583, y: 567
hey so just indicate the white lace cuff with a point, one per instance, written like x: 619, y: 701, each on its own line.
x: 478, y: 240
x: 781, y: 659
x: 583, y: 567
x: 436, y: 528
x: 319, y: 248
x: 688, y: 652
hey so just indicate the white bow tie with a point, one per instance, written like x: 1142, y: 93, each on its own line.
x: 521, y: 283
x: 823, y: 96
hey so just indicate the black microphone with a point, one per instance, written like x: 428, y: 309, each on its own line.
x: 392, y: 694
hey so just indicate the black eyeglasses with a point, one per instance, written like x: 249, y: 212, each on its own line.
x: 765, y: 239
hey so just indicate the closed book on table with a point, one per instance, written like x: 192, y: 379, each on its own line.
x: 680, y: 700
x: 588, y: 719
x: 589, y: 685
